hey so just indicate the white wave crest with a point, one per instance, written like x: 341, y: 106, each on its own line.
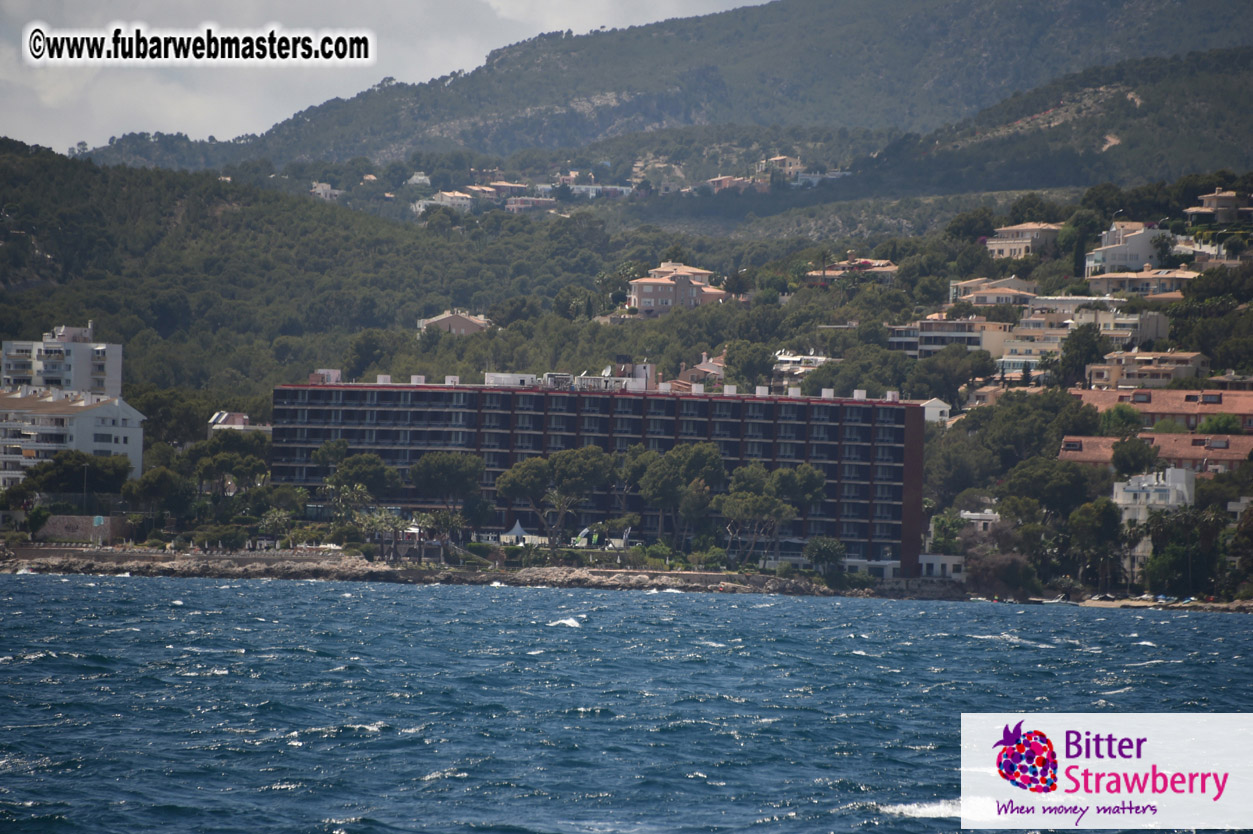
x: 926, y: 810
x: 568, y: 621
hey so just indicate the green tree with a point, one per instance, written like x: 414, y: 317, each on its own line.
x: 555, y: 485
x: 451, y: 478
x: 1187, y: 550
x: 947, y: 525
x: 1096, y: 532
x: 1121, y: 420
x: 72, y: 471
x: 369, y: 471
x: 346, y: 499
x: 680, y: 482
x: 1220, y: 424
x: 1059, y: 486
x: 384, y: 525
x: 330, y: 454
x: 1084, y: 346
x: 1133, y: 456
x: 825, y: 554
x: 276, y: 522
x: 161, y: 490
x: 747, y: 363
x: 972, y: 225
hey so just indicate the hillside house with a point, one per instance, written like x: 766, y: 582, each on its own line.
x: 965, y: 290
x: 672, y: 285
x: 859, y: 268
x: 1023, y: 239
x: 1221, y: 207
x: 456, y: 323
x: 1125, y: 245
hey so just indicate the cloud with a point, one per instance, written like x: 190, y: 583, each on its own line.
x: 415, y: 40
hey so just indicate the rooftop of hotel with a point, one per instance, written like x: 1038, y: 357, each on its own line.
x: 593, y: 383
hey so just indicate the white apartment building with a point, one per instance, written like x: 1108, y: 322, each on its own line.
x: 68, y: 358
x: 1125, y: 246
x: 1140, y: 495
x: 34, y: 427
x: 927, y: 337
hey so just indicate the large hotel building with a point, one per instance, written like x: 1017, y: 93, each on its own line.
x: 870, y: 450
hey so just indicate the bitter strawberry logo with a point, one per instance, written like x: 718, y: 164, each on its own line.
x: 1027, y: 760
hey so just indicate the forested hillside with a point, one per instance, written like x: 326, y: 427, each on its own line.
x: 209, y: 283
x: 1131, y: 123
x: 229, y: 288
x: 910, y: 64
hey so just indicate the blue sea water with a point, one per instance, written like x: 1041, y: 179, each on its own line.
x: 133, y: 705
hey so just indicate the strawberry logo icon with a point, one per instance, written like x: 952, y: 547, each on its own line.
x: 1027, y: 760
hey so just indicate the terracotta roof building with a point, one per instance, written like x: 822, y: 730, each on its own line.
x: 1184, y: 406
x: 1022, y: 240
x: 1198, y: 453
x: 456, y: 322
x: 672, y: 285
x: 1148, y: 282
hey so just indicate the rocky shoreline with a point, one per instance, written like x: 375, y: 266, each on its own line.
x: 306, y: 565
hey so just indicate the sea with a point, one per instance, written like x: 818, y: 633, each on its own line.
x: 249, y: 707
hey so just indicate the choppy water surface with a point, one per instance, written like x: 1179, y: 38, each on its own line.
x: 250, y: 706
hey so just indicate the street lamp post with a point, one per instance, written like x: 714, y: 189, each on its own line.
x: 85, y: 488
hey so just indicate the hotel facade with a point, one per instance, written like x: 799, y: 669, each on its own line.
x: 871, y: 451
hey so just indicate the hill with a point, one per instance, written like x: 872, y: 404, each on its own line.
x: 1131, y: 123
x: 910, y: 64
x: 211, y: 284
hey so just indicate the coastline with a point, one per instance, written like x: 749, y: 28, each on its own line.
x: 303, y: 565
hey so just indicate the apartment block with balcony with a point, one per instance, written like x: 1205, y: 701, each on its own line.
x: 67, y: 358
x: 1126, y: 245
x: 1049, y: 321
x: 1146, y: 369
x: 1147, y: 282
x: 34, y: 429
x: 1037, y: 334
x: 1125, y: 328
x: 927, y: 337
x: 869, y: 450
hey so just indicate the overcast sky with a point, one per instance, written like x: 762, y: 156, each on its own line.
x: 415, y: 40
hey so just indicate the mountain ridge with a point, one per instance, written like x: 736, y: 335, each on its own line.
x: 916, y: 66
